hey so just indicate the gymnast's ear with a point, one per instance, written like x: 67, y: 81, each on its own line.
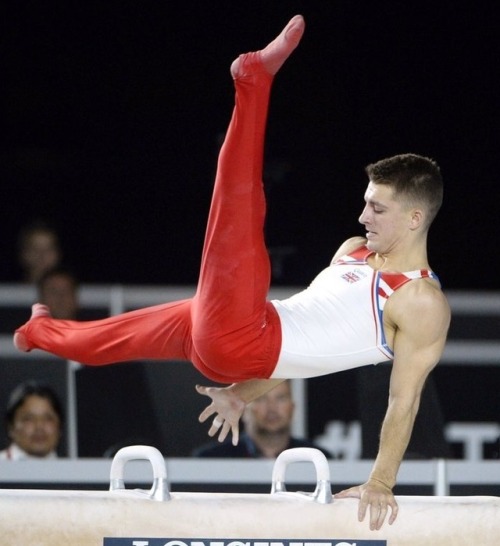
x: 417, y: 219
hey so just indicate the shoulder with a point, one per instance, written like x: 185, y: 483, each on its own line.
x: 348, y: 246
x: 423, y: 295
x: 420, y: 306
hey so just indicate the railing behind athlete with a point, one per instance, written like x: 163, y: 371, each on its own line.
x: 438, y: 476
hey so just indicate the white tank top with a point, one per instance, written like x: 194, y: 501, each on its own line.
x: 337, y: 322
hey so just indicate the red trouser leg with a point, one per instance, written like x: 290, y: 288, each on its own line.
x: 161, y: 331
x: 235, y: 331
x: 227, y: 330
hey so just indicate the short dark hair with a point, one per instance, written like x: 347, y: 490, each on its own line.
x: 413, y: 178
x: 32, y: 388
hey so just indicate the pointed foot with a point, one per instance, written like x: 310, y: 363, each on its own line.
x: 21, y: 343
x: 275, y: 53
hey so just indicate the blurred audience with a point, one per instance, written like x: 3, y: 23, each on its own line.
x: 38, y: 250
x: 267, y: 429
x: 58, y: 289
x: 34, y: 419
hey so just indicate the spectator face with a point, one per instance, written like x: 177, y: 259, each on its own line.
x: 271, y: 413
x: 36, y: 427
x: 60, y: 294
x: 39, y: 254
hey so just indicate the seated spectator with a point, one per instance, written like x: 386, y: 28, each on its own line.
x: 38, y: 250
x: 34, y: 419
x: 267, y: 433
x: 58, y: 289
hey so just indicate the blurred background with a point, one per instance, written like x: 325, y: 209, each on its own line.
x: 113, y: 113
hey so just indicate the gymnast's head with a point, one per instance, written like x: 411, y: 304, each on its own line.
x: 415, y: 182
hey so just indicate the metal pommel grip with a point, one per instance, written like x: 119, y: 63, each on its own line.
x: 323, y: 493
x: 159, y: 490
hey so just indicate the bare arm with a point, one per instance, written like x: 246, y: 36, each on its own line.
x: 421, y: 317
x: 418, y: 346
x: 228, y: 404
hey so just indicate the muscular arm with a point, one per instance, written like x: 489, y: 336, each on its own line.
x: 420, y: 316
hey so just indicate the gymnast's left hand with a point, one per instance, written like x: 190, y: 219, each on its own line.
x: 378, y: 497
x: 227, y: 408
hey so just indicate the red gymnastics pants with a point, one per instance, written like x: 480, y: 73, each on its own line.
x: 227, y: 330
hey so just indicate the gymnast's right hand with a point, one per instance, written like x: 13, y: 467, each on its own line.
x: 227, y: 408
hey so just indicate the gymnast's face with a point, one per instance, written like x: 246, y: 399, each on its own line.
x: 387, y: 221
x: 36, y: 426
x: 271, y: 413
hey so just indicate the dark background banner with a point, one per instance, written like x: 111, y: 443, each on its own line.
x: 113, y: 113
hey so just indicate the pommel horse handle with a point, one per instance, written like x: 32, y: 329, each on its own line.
x: 323, y: 492
x: 159, y: 490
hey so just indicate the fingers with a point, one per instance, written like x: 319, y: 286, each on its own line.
x: 200, y: 389
x: 394, y: 512
x: 226, y: 427
x: 362, y: 507
x: 351, y: 492
x: 216, y: 424
x: 378, y: 505
x: 235, y: 431
x: 379, y: 509
x: 219, y: 424
x: 377, y: 515
x: 206, y: 413
x: 226, y: 417
x: 209, y: 410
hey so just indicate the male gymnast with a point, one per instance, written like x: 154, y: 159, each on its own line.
x: 378, y: 300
